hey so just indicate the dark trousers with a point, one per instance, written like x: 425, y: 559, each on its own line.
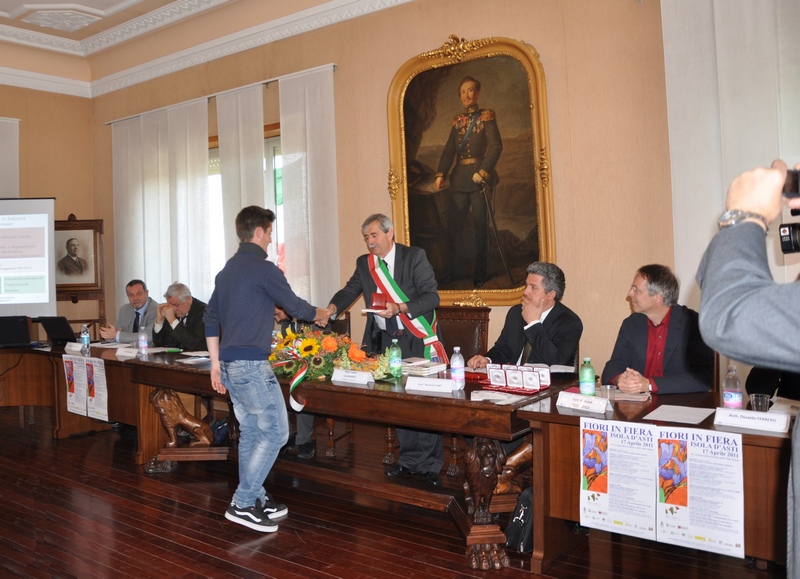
x: 460, y: 204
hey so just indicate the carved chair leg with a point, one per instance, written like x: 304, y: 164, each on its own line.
x: 454, y: 468
x: 330, y: 451
x: 389, y: 458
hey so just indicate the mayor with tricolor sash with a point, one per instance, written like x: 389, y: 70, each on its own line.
x: 400, y: 289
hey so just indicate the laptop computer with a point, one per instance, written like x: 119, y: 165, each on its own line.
x: 15, y: 332
x: 59, y: 332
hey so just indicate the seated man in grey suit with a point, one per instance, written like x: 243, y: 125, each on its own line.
x: 140, y: 311
x: 659, y: 347
x: 179, y: 322
x: 71, y: 264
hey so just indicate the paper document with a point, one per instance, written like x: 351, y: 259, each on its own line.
x: 683, y: 414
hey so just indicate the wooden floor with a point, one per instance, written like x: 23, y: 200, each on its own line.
x: 80, y: 508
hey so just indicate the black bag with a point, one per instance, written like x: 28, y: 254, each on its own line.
x: 519, y: 533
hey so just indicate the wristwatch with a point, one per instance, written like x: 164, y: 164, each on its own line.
x: 734, y: 216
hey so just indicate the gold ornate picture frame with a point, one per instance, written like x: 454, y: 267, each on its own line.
x: 514, y: 200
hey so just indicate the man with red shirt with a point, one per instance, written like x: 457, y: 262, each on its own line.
x: 659, y: 347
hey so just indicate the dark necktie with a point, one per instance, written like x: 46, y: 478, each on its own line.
x: 136, y: 323
x: 391, y: 323
x: 526, y: 352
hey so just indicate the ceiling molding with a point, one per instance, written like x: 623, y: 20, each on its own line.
x: 148, y: 23
x: 331, y: 12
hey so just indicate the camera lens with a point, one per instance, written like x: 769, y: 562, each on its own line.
x: 790, y: 237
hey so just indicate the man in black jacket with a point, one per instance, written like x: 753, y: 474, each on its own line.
x: 540, y: 329
x: 179, y: 321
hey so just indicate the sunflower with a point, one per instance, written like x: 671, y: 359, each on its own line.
x: 308, y: 347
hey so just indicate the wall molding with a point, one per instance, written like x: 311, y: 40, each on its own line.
x: 295, y: 24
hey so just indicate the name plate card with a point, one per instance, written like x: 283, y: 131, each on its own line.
x: 351, y: 376
x: 576, y: 401
x: 428, y: 384
x: 751, y: 419
x: 73, y: 347
x: 125, y: 353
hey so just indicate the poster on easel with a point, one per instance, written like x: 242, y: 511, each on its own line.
x: 701, y: 490
x: 87, y: 392
x: 617, y: 477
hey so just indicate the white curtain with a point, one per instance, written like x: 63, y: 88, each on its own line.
x: 308, y: 145
x: 161, y: 210
x: 9, y: 157
x: 240, y: 121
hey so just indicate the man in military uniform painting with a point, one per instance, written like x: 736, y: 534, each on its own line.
x: 472, y: 150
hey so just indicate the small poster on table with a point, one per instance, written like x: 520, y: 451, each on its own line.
x: 701, y: 490
x: 682, y: 486
x: 618, y: 477
x: 87, y: 392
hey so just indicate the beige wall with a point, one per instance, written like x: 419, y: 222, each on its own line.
x: 603, y: 63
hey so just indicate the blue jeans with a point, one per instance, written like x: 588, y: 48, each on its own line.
x: 263, y: 424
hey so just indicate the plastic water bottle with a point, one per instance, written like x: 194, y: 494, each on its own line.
x: 395, y: 359
x: 143, y: 341
x: 457, y: 367
x: 732, y: 389
x: 86, y: 340
x: 586, y: 378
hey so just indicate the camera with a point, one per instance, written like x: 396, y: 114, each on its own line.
x: 790, y: 237
x: 790, y: 232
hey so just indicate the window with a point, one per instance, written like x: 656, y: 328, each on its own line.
x: 273, y: 200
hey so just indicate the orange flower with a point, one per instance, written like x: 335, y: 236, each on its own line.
x: 329, y: 344
x: 356, y: 354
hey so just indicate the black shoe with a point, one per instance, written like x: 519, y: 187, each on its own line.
x: 398, y: 470
x: 289, y: 444
x: 306, y: 451
x: 479, y: 283
x: 433, y: 478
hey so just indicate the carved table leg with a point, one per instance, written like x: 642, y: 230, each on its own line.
x: 483, y: 461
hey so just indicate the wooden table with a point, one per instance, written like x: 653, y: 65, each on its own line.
x: 556, y: 475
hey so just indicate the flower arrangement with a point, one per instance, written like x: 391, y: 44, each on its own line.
x: 321, y: 352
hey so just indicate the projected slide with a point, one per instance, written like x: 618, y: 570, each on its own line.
x: 23, y: 259
x: 27, y: 283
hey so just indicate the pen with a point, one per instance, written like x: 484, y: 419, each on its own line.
x: 173, y: 351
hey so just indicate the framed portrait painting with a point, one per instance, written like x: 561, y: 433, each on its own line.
x: 470, y: 170
x: 78, y: 255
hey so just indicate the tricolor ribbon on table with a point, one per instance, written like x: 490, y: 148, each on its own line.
x: 298, y: 377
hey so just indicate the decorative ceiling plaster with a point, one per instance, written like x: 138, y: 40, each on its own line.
x: 331, y: 12
x: 67, y: 20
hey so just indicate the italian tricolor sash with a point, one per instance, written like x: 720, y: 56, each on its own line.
x: 419, y: 326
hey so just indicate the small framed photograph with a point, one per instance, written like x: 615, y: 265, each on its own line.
x: 78, y: 255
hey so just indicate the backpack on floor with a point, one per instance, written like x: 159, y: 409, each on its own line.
x: 519, y: 533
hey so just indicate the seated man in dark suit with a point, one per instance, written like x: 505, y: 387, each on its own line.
x: 659, y: 347
x: 539, y: 330
x: 179, y: 321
